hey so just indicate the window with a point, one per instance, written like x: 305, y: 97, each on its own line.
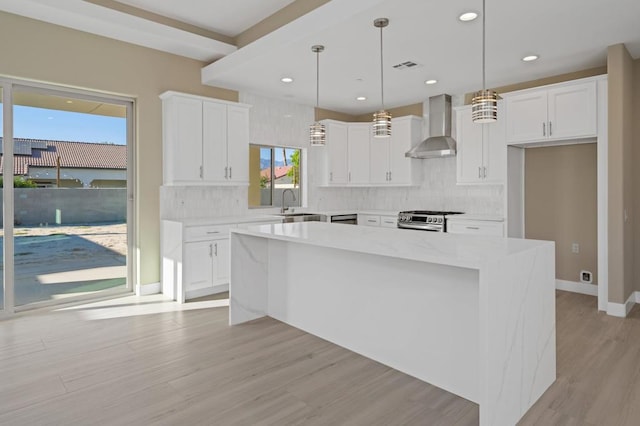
x: 272, y: 171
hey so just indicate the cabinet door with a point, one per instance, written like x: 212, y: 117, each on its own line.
x: 337, y: 149
x: 358, y: 136
x: 214, y: 131
x: 238, y: 144
x: 183, y: 140
x: 405, y: 133
x: 572, y: 111
x: 221, y: 262
x: 527, y: 117
x: 470, y: 149
x: 198, y: 264
x: 379, y: 160
x: 494, y: 155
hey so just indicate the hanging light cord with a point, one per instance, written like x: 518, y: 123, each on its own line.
x: 318, y: 78
x: 381, y: 70
x: 484, y: 80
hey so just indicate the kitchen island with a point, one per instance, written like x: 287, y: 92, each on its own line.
x: 472, y: 315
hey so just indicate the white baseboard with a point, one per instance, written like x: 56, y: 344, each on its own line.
x: 576, y: 287
x: 622, y: 309
x: 193, y: 294
x: 147, y: 289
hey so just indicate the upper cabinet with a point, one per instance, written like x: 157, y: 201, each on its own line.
x: 481, y: 156
x: 389, y: 166
x: 559, y: 112
x: 205, y: 141
x: 355, y: 158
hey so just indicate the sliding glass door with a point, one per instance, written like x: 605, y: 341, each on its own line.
x: 71, y: 195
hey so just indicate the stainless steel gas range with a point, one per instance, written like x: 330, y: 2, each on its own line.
x: 424, y: 220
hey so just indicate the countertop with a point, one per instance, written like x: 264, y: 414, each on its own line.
x: 447, y: 249
x: 470, y: 216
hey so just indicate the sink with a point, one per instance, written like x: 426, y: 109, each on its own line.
x: 302, y: 217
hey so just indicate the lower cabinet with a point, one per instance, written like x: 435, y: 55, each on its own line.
x: 206, y: 267
x: 475, y: 227
x: 195, y: 259
x: 378, y: 220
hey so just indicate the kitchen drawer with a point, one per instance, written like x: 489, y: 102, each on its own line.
x: 368, y: 220
x: 389, y: 221
x: 206, y: 232
x: 475, y: 227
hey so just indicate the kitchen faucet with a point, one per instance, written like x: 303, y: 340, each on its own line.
x: 283, y: 208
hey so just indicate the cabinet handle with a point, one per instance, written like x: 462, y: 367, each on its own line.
x: 349, y: 176
x: 371, y: 220
x: 389, y: 176
x: 472, y: 227
x: 210, y: 250
x: 216, y: 249
x: 330, y: 176
x: 544, y: 129
x: 226, y: 172
x: 479, y: 172
x: 213, y: 232
x: 230, y: 171
x: 200, y: 172
x: 550, y: 129
x: 484, y: 172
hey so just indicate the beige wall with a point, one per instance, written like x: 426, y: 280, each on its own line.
x: 254, y: 175
x: 561, y: 204
x: 621, y: 256
x: 326, y: 114
x: 38, y: 51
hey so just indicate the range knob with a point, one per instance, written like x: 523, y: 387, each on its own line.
x: 439, y: 220
x: 429, y: 220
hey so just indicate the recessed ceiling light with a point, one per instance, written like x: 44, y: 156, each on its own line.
x: 69, y: 102
x: 431, y: 82
x: 286, y: 80
x: 468, y: 16
x: 361, y: 98
x: 530, y: 58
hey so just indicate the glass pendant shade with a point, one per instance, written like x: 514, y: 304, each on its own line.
x: 317, y: 134
x: 484, y: 106
x: 381, y: 124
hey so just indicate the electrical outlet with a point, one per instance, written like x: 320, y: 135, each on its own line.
x: 575, y: 248
x: 586, y: 277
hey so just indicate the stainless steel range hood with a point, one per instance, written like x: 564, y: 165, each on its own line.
x: 439, y: 143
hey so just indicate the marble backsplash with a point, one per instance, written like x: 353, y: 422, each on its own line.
x: 278, y: 122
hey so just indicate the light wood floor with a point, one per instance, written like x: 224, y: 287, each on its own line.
x: 148, y: 361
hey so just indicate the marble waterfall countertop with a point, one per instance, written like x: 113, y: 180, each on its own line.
x: 434, y: 247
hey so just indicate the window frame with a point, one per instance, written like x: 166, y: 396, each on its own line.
x: 301, y: 175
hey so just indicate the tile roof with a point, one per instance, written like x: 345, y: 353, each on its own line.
x: 85, y: 155
x: 279, y: 171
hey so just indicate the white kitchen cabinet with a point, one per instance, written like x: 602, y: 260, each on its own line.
x: 358, y: 138
x: 195, y: 259
x: 388, y: 221
x: 337, y: 152
x: 481, y: 150
x: 389, y: 166
x: 368, y: 219
x: 558, y: 112
x: 205, y: 141
x: 475, y: 227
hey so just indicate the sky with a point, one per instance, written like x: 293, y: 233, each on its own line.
x: 39, y: 123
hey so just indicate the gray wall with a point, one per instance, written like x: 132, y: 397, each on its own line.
x: 64, y: 206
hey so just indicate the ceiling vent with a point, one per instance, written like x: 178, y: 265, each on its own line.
x: 406, y: 65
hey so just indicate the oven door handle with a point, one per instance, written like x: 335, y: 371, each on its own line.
x: 436, y: 228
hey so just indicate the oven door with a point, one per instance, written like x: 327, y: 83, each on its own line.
x: 422, y: 227
x: 346, y: 219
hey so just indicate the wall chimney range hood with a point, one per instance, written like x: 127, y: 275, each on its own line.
x: 439, y: 143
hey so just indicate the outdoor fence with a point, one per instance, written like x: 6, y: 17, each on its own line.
x: 68, y: 206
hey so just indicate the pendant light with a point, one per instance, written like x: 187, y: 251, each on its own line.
x: 317, y: 132
x: 484, y: 106
x: 382, y: 118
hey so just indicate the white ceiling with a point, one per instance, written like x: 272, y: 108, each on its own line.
x: 569, y: 35
x: 227, y: 17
